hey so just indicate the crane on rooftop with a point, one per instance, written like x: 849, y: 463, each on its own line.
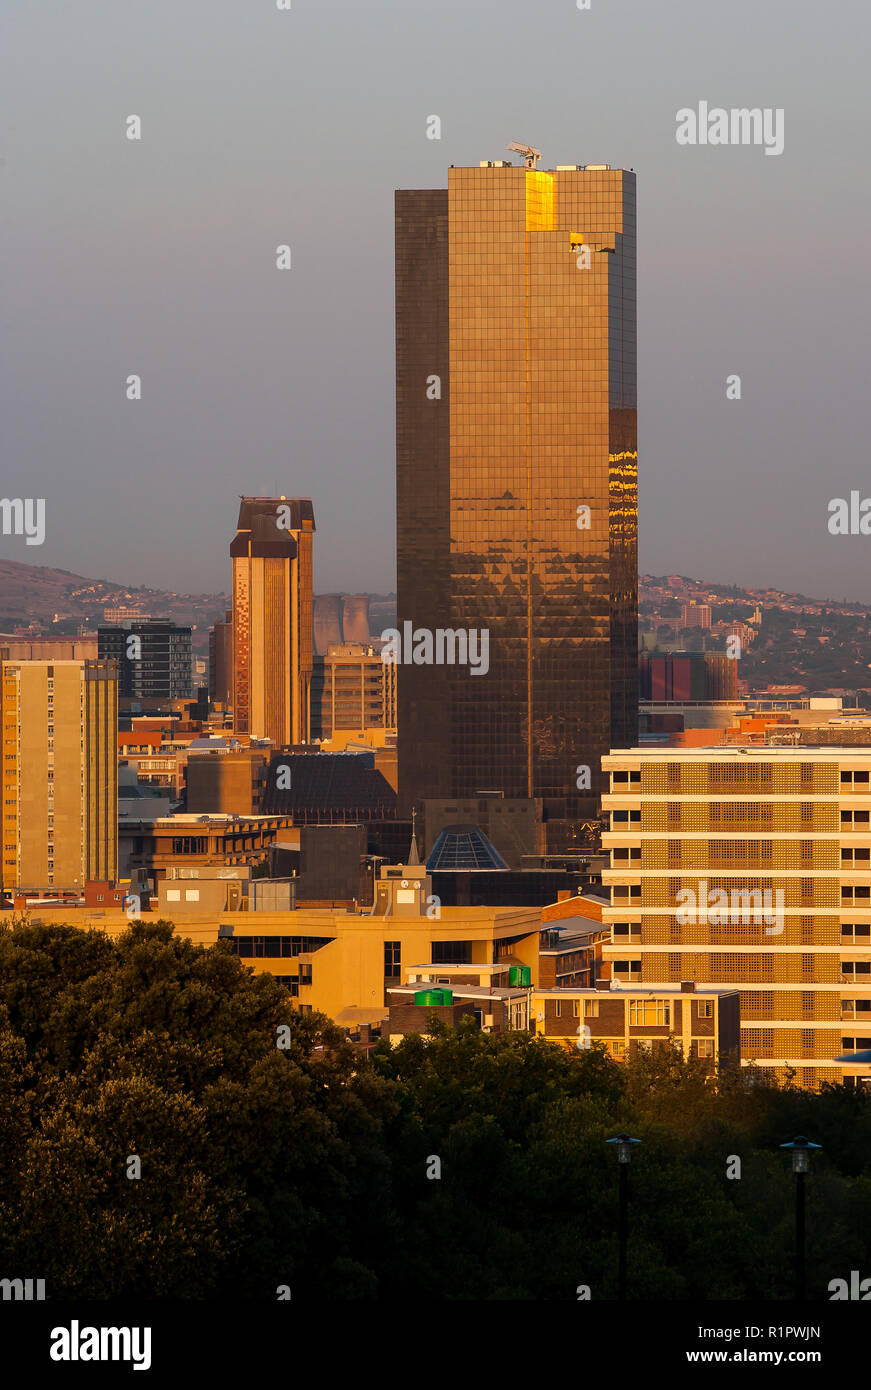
x: 529, y: 152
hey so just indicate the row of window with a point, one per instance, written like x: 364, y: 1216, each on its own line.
x: 643, y: 1013
x: 269, y: 947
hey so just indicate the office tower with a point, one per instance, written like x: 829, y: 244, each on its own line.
x: 221, y: 661
x: 679, y: 676
x: 750, y: 867
x: 60, y: 779
x: 155, y: 665
x: 517, y: 481
x: 272, y: 618
x: 353, y: 694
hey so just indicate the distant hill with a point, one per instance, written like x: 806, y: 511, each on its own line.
x: 822, y: 645
x: 59, y: 600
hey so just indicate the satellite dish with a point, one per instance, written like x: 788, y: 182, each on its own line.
x: 405, y: 883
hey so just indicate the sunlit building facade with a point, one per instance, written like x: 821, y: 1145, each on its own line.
x: 517, y: 481
x: 750, y: 867
x: 59, y: 773
x: 272, y: 619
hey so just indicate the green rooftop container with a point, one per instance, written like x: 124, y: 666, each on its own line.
x: 433, y: 998
x: 519, y: 976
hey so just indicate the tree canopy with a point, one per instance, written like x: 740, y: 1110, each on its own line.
x: 310, y: 1166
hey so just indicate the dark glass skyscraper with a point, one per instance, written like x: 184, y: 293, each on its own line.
x: 517, y: 481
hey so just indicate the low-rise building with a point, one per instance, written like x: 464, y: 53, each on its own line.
x: 704, y: 1022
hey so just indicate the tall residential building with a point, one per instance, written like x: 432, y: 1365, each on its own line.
x: 272, y: 619
x: 517, y: 481
x: 154, y: 665
x: 750, y: 867
x: 60, y: 779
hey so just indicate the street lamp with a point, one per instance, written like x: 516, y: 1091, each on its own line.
x: 624, y: 1144
x: 800, y: 1148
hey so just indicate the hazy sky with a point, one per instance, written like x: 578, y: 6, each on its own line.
x: 262, y: 127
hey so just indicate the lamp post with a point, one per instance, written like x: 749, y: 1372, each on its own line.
x: 800, y: 1148
x: 624, y: 1154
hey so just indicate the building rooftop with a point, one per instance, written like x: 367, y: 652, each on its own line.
x: 618, y: 987
x: 464, y: 848
x: 760, y: 752
x: 460, y: 991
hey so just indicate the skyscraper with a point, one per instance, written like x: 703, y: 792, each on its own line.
x: 272, y: 618
x: 158, y: 666
x: 60, y: 773
x: 517, y: 481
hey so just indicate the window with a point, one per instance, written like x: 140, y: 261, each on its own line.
x: 705, y: 1008
x: 591, y: 1008
x: 617, y: 1048
x: 649, y: 1013
x: 704, y: 1047
x: 271, y: 946
x: 392, y: 960
x: 451, y: 953
x: 627, y: 967
x: 305, y: 974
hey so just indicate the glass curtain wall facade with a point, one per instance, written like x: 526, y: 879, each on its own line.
x: 517, y: 482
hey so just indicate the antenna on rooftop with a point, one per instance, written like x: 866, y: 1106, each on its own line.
x: 529, y: 152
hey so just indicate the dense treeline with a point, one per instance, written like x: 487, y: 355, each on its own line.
x: 306, y: 1166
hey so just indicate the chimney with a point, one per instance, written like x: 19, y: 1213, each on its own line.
x: 687, y: 986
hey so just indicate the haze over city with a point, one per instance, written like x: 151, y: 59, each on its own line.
x: 158, y: 257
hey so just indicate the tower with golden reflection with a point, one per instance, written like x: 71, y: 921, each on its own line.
x: 272, y: 619
x: 517, y: 481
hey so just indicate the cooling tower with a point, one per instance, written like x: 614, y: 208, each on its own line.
x: 355, y: 620
x: 328, y: 622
